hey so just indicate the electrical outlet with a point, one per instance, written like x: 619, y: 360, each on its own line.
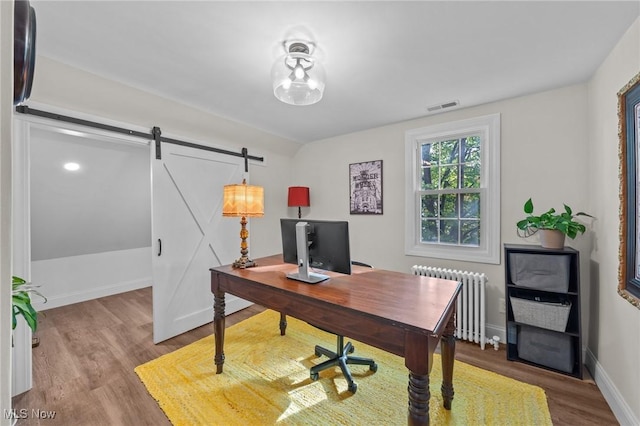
x: 502, y: 306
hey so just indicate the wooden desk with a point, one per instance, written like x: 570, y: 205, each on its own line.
x: 400, y: 313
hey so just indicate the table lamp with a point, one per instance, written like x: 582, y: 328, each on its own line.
x: 299, y: 197
x: 243, y: 201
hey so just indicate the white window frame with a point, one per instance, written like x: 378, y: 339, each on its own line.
x: 488, y: 128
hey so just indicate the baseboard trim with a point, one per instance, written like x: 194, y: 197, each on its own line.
x: 616, y: 402
x: 496, y: 330
x: 93, y: 293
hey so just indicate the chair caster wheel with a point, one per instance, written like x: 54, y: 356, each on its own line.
x: 353, y: 387
x: 318, y: 354
x: 352, y: 349
x: 373, y: 367
x: 314, y: 376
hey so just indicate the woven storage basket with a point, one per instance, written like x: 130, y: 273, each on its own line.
x: 552, y: 316
x: 540, y: 271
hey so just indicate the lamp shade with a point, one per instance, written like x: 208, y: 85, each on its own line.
x: 242, y: 200
x: 298, y: 196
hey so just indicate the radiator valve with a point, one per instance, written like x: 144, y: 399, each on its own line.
x: 496, y: 342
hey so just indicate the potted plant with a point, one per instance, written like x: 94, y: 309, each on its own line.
x: 553, y: 226
x: 21, y: 302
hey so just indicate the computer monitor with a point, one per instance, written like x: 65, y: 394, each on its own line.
x: 327, y: 244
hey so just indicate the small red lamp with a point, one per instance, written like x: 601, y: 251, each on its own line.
x: 299, y: 197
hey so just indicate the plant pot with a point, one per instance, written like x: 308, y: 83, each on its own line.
x: 551, y: 238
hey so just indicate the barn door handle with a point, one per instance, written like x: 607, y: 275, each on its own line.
x: 159, y: 246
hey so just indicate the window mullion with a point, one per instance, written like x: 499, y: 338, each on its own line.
x: 450, y: 191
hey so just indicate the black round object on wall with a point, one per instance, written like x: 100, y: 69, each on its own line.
x: 24, y: 50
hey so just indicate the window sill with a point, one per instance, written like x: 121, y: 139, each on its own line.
x: 463, y: 254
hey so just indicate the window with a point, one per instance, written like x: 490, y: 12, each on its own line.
x: 453, y: 190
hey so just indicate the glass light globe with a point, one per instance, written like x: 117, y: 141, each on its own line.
x: 298, y: 79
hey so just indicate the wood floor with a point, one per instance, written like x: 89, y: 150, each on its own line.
x: 83, y: 368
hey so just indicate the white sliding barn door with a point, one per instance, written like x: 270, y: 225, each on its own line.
x: 190, y: 235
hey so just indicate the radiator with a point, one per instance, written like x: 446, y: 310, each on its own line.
x: 470, y: 308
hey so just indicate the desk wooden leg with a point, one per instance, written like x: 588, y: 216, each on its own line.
x: 218, y: 329
x: 448, y: 349
x: 418, y: 399
x: 283, y: 324
x: 418, y: 358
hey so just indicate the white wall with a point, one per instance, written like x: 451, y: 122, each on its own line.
x: 543, y: 157
x: 74, y: 279
x: 264, y: 234
x: 71, y: 88
x: 614, y: 338
x: 6, y: 112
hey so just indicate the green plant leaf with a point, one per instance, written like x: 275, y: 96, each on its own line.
x: 17, y: 282
x: 21, y: 302
x: 551, y: 220
x: 583, y: 214
x: 22, y: 306
x: 528, y: 206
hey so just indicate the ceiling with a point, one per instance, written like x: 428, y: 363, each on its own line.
x: 385, y: 61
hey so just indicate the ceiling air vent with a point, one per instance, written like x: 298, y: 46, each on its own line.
x: 435, y: 108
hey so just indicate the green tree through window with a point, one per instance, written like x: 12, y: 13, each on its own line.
x: 450, y: 179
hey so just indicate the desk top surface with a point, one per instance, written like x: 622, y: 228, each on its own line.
x: 416, y: 301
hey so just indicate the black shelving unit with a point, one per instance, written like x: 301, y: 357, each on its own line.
x: 542, y: 283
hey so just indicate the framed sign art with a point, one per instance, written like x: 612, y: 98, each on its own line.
x: 365, y: 182
x: 629, y: 148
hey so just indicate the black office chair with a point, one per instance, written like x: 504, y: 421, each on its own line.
x: 341, y: 356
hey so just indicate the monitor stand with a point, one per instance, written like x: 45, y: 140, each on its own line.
x: 302, y: 245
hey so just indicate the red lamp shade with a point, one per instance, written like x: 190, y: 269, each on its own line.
x: 298, y: 196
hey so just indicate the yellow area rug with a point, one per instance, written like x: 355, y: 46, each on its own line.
x: 266, y: 381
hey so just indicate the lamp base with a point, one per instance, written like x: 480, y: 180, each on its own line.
x: 243, y: 263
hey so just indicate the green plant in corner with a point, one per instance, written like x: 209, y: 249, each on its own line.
x: 563, y: 222
x: 21, y: 301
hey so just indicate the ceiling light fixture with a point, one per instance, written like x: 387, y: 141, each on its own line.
x: 72, y: 167
x: 298, y: 76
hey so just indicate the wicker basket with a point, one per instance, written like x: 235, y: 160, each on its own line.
x: 552, y: 316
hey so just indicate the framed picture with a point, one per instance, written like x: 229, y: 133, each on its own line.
x: 365, y: 183
x: 629, y: 148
